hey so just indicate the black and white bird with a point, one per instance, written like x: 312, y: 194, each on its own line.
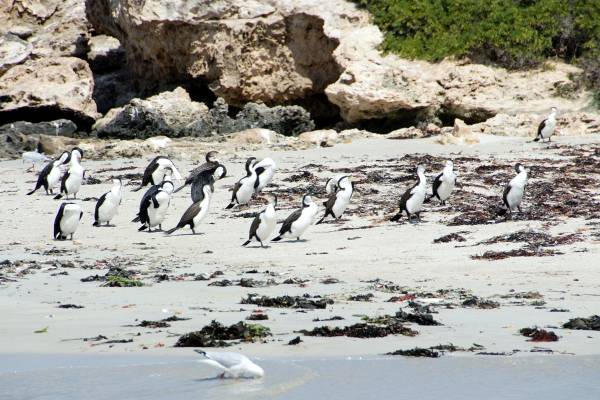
x: 263, y: 223
x: 195, y: 213
x: 72, y: 179
x: 513, y: 193
x: 232, y: 365
x: 332, y: 184
x: 298, y: 221
x: 108, y: 204
x: 339, y: 199
x: 66, y: 221
x: 35, y: 157
x: 154, y: 206
x: 210, y: 165
x: 444, y: 183
x: 547, y: 127
x: 245, y: 187
x: 412, y: 200
x: 265, y: 169
x: 208, y: 177
x: 50, y: 175
x: 156, y: 171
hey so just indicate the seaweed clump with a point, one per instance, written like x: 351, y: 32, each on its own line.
x: 218, y: 335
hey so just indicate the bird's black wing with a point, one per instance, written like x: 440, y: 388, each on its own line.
x: 406, y: 196
x: 59, y: 216
x: 505, y: 195
x: 98, y: 205
x: 209, y: 166
x: 330, y: 201
x: 255, y: 225
x: 287, y: 224
x: 63, y: 182
x: 541, y: 127
x: 204, y: 178
x: 189, y: 214
x: 237, y: 187
x: 43, y: 176
x: 437, y: 182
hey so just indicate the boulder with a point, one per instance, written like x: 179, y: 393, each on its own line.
x: 322, y: 137
x: 244, y: 50
x: 105, y: 54
x: 54, y: 145
x: 13, y: 51
x: 62, y: 127
x: 48, y: 88
x: 255, y: 136
x: 113, y: 89
x: 461, y: 133
x: 167, y: 113
x: 13, y: 144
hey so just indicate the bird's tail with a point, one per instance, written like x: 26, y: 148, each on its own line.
x: 246, y: 242
x: 396, y: 217
x: 58, y: 196
x: 142, y: 228
x: 501, y: 211
x: 33, y: 191
x: 321, y: 220
x: 428, y: 199
x: 537, y: 139
x: 230, y: 205
x: 172, y: 230
x: 277, y: 239
x: 136, y: 219
x: 96, y: 223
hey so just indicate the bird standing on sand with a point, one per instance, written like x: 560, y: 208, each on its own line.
x: 196, y: 212
x: 50, y: 175
x: 547, y: 127
x: 67, y: 220
x: 339, y: 199
x: 208, y: 177
x: 513, y: 193
x: 72, y: 179
x: 244, y: 188
x: 298, y: 221
x: 444, y: 183
x: 211, y: 164
x: 265, y: 169
x: 156, y: 171
x: 35, y: 157
x: 108, y: 204
x: 412, y: 200
x: 153, y: 207
x: 233, y: 365
x: 263, y: 224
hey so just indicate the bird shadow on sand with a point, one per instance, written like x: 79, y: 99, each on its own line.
x: 185, y: 234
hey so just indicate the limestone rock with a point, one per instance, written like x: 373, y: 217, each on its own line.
x: 323, y: 137
x: 62, y: 127
x: 245, y: 50
x: 13, y: 51
x: 105, y: 53
x: 255, y: 136
x: 60, y: 86
x: 54, y: 145
x: 167, y: 113
x: 461, y: 134
x: 13, y: 144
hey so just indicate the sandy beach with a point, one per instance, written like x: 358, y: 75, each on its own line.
x: 362, y: 254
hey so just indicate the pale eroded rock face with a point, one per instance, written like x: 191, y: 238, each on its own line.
x: 13, y: 51
x: 60, y: 86
x: 244, y: 50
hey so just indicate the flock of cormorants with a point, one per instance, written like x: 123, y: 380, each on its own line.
x: 161, y: 170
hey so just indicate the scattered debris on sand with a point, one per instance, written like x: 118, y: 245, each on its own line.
x: 586, y: 324
x: 295, y: 341
x: 476, y: 302
x: 306, y: 301
x: 361, y: 330
x: 416, y: 352
x: 217, y: 335
x: 451, y: 237
x: 539, y: 335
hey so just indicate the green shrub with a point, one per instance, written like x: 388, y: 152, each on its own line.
x: 511, y: 33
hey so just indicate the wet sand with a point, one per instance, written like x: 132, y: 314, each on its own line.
x: 365, y: 253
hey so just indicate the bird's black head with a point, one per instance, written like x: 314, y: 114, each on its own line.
x: 306, y: 200
x: 77, y: 149
x: 211, y: 156
x: 519, y: 167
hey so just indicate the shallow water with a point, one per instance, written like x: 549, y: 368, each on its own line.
x: 149, y: 377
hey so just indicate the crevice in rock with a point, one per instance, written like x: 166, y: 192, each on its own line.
x: 324, y: 113
x: 448, y: 114
x: 397, y: 120
x: 46, y: 113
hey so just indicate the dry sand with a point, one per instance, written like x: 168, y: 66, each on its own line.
x: 377, y: 249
